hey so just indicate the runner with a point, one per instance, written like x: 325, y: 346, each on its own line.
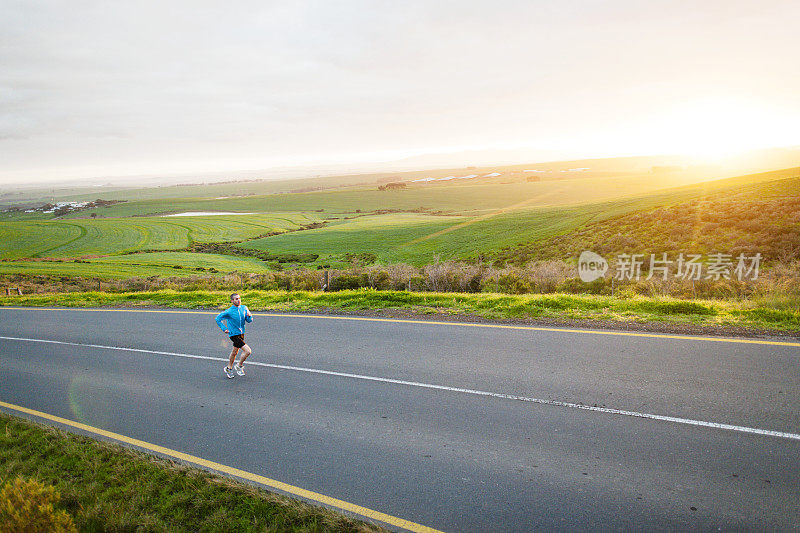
x: 235, y: 317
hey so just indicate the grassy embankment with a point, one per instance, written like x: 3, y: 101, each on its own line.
x: 106, y: 487
x: 698, y: 314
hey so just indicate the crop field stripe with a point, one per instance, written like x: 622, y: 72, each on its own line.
x: 76, y: 238
x: 201, y: 230
x: 82, y: 231
x: 239, y: 231
x: 146, y: 236
x: 288, y: 221
x: 270, y: 223
x: 241, y: 222
x: 481, y: 218
x: 189, y: 237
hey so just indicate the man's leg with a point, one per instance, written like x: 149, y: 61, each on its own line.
x: 247, y: 351
x: 233, y: 356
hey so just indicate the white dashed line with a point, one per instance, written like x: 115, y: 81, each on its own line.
x: 674, y: 419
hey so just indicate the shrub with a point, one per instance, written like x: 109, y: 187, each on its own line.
x: 364, y: 258
x: 305, y: 280
x: 378, y: 277
x: 29, y: 506
x: 347, y: 282
x: 416, y: 283
x: 775, y: 280
x: 577, y: 286
x: 436, y: 275
x: 511, y: 284
x: 401, y: 275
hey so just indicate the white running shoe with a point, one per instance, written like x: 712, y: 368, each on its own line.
x: 229, y: 373
x: 239, y: 369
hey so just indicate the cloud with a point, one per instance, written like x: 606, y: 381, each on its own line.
x: 315, y: 79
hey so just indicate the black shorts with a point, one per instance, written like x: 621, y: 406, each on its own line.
x: 238, y: 340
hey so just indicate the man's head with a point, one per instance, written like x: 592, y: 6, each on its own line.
x: 236, y: 299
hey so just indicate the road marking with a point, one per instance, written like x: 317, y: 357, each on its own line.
x: 428, y: 322
x: 536, y: 328
x: 556, y: 403
x: 279, y: 485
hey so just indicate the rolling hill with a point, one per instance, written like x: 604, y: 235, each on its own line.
x: 496, y: 218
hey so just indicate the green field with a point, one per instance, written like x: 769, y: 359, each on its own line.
x: 417, y: 240
x: 445, y: 220
x: 757, y: 218
x: 454, y: 199
x: 470, y: 198
x: 187, y: 259
x: 163, y: 264
x: 88, y: 270
x: 80, y: 238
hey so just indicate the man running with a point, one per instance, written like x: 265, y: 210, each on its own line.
x: 235, y: 317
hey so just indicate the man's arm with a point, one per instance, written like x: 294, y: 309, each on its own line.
x: 248, y: 317
x: 220, y: 317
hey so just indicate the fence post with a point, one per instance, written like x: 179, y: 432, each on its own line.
x: 325, y: 281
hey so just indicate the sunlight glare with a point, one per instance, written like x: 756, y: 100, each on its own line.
x: 715, y: 131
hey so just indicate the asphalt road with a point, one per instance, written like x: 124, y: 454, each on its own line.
x: 451, y: 460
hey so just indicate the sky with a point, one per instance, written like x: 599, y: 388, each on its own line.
x: 97, y: 88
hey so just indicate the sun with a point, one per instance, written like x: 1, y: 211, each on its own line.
x: 715, y: 130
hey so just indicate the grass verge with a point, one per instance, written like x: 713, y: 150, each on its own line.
x: 106, y: 487
x: 744, y: 314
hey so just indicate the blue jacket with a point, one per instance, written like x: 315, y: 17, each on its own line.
x: 235, y: 317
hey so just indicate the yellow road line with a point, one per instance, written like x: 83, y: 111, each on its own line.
x: 284, y: 487
x: 535, y: 328
x: 439, y: 323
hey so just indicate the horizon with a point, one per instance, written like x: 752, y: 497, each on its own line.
x: 746, y: 162
x: 300, y: 172
x: 101, y: 92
